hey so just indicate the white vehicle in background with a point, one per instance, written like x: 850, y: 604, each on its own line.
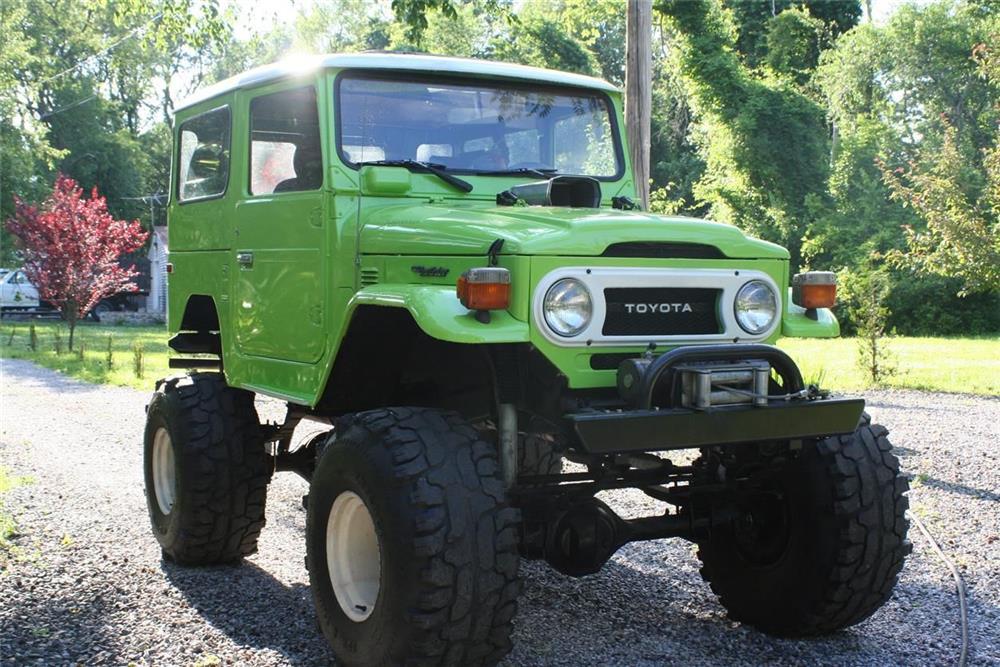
x: 16, y: 291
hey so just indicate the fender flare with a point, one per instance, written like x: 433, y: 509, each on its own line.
x: 439, y: 314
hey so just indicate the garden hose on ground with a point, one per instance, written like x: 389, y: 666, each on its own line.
x: 959, y: 584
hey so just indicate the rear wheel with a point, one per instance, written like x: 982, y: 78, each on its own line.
x: 206, y: 470
x: 411, y: 545
x: 820, y: 546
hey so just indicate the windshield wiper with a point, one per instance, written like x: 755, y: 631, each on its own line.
x: 420, y: 167
x: 542, y: 172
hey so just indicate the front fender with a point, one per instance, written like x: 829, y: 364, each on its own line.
x: 797, y: 323
x: 438, y: 312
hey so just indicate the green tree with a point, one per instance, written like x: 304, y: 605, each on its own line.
x: 413, y: 14
x: 459, y: 33
x: 600, y: 26
x: 794, y: 41
x: 752, y: 19
x: 85, y: 81
x: 961, y: 237
x: 24, y: 149
x: 541, y: 41
x: 764, y: 142
x: 911, y: 96
x: 334, y: 26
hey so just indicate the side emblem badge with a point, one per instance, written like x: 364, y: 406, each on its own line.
x: 430, y: 271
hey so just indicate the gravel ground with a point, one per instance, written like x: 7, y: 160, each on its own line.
x: 85, y: 582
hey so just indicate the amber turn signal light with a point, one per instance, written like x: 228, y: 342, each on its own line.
x: 814, y: 289
x: 486, y: 288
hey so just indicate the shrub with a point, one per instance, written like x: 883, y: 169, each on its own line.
x: 138, y: 359
x: 865, y: 295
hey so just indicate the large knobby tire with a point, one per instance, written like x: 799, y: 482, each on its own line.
x: 839, y: 554
x: 206, y: 470
x: 428, y: 550
x: 538, y: 454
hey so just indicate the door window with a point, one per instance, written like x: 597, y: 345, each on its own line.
x: 204, y: 156
x: 285, y: 153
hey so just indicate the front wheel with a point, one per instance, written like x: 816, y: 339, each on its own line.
x: 411, y: 545
x: 818, y: 547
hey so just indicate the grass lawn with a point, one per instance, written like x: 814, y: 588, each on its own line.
x: 966, y: 365
x: 7, y: 525
x: 93, y: 367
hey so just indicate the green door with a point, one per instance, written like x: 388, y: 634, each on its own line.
x: 279, y: 248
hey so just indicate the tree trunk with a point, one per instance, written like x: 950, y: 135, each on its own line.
x: 639, y: 91
x: 70, y: 315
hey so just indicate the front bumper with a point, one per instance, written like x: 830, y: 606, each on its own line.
x: 662, y: 418
x: 652, y: 430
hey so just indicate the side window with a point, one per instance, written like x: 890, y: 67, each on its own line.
x: 204, y: 156
x: 285, y: 153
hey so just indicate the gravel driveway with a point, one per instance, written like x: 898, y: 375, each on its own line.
x: 86, y: 583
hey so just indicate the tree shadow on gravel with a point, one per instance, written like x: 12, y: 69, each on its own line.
x: 628, y: 614
x: 960, y: 489
x: 62, y: 626
x: 29, y: 372
x: 254, y: 609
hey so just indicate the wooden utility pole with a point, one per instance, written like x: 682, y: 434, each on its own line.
x: 639, y: 90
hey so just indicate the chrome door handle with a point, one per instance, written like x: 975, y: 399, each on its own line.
x: 244, y: 259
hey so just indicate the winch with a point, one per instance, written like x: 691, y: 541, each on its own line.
x: 709, y: 385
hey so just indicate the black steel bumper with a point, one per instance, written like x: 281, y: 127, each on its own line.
x: 651, y: 430
x: 656, y: 421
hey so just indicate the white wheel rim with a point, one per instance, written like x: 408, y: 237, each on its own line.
x: 164, y: 475
x: 353, y: 556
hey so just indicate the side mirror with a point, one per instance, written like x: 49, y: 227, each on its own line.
x: 385, y: 181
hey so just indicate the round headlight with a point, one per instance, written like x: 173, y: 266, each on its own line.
x: 568, y: 307
x: 756, y: 307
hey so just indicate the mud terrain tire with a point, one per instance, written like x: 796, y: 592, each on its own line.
x: 843, y: 548
x: 538, y: 455
x: 446, y: 541
x: 220, y: 470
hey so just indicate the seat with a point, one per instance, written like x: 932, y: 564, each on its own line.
x: 308, y: 165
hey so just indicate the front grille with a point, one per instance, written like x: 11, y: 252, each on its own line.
x: 663, y: 250
x: 661, y: 311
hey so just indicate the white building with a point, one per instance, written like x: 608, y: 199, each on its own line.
x: 156, y: 302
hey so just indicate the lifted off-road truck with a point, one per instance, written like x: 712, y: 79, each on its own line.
x: 442, y: 259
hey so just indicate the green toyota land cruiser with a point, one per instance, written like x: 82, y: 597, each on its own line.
x: 442, y: 259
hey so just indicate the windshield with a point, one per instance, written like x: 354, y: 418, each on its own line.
x: 477, y: 127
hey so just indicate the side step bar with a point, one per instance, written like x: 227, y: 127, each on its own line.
x: 178, y: 362
x: 197, y: 342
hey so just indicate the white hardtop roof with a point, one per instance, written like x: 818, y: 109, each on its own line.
x: 303, y: 66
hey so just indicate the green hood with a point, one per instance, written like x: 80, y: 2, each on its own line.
x: 436, y: 229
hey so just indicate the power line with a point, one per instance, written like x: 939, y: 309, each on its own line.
x: 68, y: 106
x: 132, y: 33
